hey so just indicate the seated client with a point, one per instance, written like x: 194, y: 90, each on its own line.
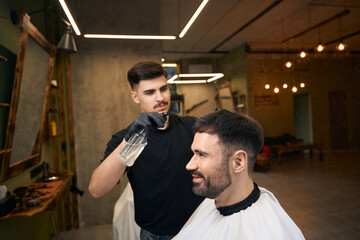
x: 225, y: 147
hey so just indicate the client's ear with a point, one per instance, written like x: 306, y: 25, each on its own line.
x: 239, y: 161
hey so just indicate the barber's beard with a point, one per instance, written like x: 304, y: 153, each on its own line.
x: 215, y: 184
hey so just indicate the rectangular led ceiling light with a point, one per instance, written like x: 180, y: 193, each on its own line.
x: 193, y: 18
x: 210, y: 77
x: 147, y: 37
x: 188, y: 82
x: 143, y: 37
x: 69, y: 16
x: 169, y: 65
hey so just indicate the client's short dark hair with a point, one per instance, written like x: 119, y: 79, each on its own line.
x: 235, y: 132
x: 145, y: 71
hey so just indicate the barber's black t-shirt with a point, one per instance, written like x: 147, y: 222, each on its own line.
x: 162, y: 186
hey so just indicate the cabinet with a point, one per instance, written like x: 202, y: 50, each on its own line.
x: 55, y: 191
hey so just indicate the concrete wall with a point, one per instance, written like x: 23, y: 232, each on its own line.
x: 101, y: 92
x: 10, y: 33
x: 326, y: 73
x: 233, y: 65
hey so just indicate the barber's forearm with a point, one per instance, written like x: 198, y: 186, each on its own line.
x: 107, y: 174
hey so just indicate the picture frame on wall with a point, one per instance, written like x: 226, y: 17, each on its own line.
x: 266, y: 100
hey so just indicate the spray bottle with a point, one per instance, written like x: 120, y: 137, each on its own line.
x: 134, y: 146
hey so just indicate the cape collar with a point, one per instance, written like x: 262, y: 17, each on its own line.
x: 244, y: 204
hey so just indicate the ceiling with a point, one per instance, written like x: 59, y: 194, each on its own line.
x: 264, y: 25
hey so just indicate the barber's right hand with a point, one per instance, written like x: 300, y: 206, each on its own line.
x: 146, y: 121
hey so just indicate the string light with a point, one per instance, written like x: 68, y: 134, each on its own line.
x: 340, y: 46
x: 294, y: 89
x: 302, y: 85
x: 285, y: 85
x: 302, y: 54
x: 267, y: 86
x: 276, y: 90
x: 320, y: 48
x: 288, y: 64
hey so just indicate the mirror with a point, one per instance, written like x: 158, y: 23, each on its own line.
x: 27, y: 112
x: 225, y: 97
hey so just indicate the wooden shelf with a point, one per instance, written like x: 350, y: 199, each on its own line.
x: 54, y: 193
x: 4, y: 105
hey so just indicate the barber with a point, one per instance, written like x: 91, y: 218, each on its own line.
x: 163, y: 198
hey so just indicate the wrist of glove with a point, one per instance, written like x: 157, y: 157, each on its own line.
x: 148, y: 121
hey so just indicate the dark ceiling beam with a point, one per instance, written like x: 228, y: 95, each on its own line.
x: 274, y: 4
x: 339, y: 15
x: 333, y: 5
x: 342, y: 38
x: 295, y: 52
x: 191, y: 52
x: 279, y: 51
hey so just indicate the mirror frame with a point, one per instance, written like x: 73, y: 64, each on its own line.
x: 7, y: 170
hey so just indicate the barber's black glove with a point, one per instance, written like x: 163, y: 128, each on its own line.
x: 146, y: 121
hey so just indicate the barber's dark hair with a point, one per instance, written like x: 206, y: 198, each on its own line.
x: 145, y: 71
x: 235, y: 132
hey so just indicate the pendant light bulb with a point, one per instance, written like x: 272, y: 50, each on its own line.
x: 340, y: 46
x: 320, y: 48
x: 302, y: 54
x: 288, y: 64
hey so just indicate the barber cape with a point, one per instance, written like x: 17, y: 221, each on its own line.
x: 260, y: 216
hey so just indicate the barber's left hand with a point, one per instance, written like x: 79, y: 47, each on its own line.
x: 146, y: 121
